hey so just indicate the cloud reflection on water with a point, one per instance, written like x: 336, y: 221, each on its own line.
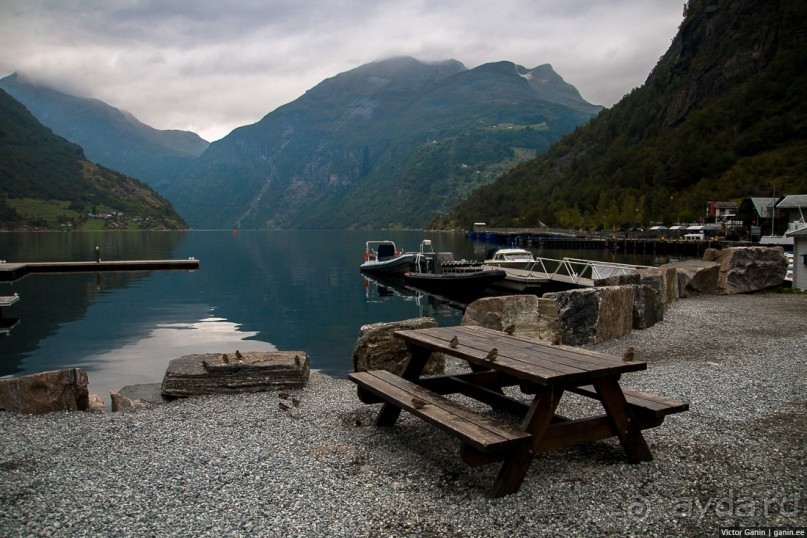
x: 145, y: 360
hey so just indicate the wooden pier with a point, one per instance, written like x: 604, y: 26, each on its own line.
x: 14, y: 271
x: 6, y: 324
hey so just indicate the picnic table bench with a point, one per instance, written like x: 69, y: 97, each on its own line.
x: 499, y: 360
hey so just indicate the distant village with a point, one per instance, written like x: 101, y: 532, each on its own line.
x: 747, y: 220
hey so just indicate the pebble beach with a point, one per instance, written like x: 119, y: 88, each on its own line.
x: 243, y: 466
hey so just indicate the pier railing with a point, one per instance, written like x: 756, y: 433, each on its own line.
x: 577, y: 271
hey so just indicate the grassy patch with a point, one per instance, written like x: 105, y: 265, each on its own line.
x: 49, y: 210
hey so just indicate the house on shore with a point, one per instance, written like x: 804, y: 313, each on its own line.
x: 799, y: 258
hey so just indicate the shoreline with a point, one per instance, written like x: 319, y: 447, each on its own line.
x: 238, y: 465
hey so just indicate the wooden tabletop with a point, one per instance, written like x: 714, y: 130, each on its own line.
x: 520, y: 356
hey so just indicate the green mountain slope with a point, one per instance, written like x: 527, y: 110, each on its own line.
x: 46, y: 182
x: 109, y: 136
x: 721, y: 116
x: 389, y: 144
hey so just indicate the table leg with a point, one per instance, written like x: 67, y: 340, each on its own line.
x: 418, y: 357
x: 613, y: 400
x: 536, y: 422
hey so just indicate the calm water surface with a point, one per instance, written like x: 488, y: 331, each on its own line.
x: 255, y: 290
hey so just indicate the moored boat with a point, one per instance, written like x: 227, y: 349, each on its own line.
x: 384, y: 257
x: 440, y: 274
x: 516, y: 258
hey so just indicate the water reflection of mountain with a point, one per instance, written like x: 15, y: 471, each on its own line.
x: 48, y: 302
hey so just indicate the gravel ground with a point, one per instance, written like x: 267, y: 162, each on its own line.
x: 240, y: 466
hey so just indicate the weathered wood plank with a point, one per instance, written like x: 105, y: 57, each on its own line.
x: 643, y: 402
x: 481, y: 432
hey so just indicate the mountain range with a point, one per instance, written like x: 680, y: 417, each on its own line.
x: 388, y: 144
x: 722, y: 116
x: 47, y: 182
x: 109, y: 136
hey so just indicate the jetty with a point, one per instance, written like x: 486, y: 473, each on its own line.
x: 13, y: 271
x: 6, y: 324
x: 571, y: 272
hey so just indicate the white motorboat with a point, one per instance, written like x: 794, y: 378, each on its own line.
x: 514, y: 258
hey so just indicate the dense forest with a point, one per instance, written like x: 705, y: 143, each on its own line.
x: 721, y: 117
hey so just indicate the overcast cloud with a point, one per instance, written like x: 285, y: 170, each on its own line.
x: 210, y: 66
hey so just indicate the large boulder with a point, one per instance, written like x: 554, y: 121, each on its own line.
x: 220, y: 373
x: 696, y: 277
x: 748, y: 269
x: 577, y: 315
x: 615, y: 315
x: 593, y: 315
x: 648, y: 308
x: 378, y: 349
x: 46, y: 392
x: 516, y: 313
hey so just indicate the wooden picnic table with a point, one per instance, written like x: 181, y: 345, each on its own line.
x: 499, y: 360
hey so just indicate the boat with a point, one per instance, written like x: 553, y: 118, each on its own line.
x: 783, y: 240
x: 384, y: 257
x: 439, y: 273
x: 516, y: 258
x: 460, y: 284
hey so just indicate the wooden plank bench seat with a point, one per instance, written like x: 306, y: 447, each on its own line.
x: 481, y: 432
x: 640, y: 402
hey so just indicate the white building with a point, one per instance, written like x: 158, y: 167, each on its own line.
x: 799, y: 258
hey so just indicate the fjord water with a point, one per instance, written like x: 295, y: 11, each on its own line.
x: 255, y: 290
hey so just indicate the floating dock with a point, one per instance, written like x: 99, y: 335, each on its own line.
x: 6, y: 324
x: 14, y: 271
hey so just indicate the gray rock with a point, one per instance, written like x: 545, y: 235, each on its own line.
x: 137, y: 395
x: 619, y: 280
x: 46, y: 392
x: 96, y: 404
x: 377, y: 348
x: 592, y: 315
x: 748, y: 269
x: 252, y: 371
x: 696, y: 277
x: 615, y: 312
x: 648, y: 308
x: 577, y: 315
x: 517, y: 313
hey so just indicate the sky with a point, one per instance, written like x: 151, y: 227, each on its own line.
x: 210, y: 66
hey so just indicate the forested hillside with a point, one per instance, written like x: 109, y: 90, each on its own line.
x: 110, y: 137
x: 388, y: 144
x: 46, y: 183
x: 722, y: 116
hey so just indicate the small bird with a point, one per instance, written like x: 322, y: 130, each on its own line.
x: 283, y: 394
x: 629, y: 354
x: 510, y: 329
x: 225, y: 358
x: 556, y: 340
x: 296, y: 360
x: 454, y: 342
x: 492, y: 354
x: 295, y: 401
x: 238, y: 355
x: 282, y: 406
x: 417, y: 403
